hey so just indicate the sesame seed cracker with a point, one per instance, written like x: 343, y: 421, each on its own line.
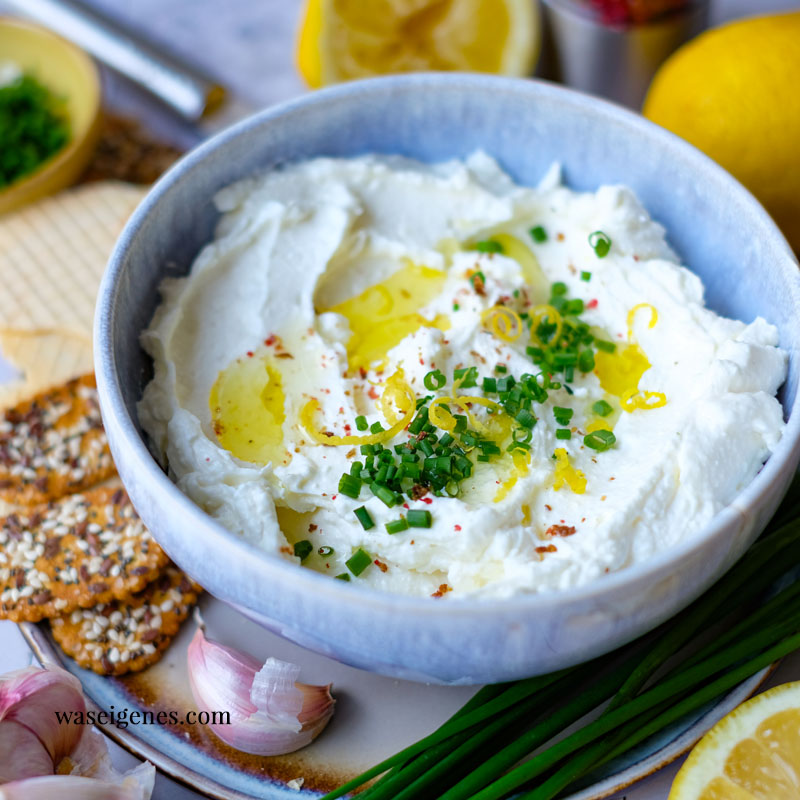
x: 53, y: 444
x: 78, y: 551
x: 128, y: 635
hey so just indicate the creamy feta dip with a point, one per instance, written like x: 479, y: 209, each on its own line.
x: 526, y: 375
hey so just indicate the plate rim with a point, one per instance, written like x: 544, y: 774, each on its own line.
x: 46, y: 652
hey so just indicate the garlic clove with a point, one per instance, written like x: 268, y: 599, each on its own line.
x: 270, y: 712
x: 68, y: 787
x: 29, y: 697
x: 91, y: 760
x: 27, y: 756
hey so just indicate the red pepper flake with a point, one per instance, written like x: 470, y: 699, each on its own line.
x: 333, y: 497
x: 612, y: 479
x: 549, y: 508
x: 635, y: 257
x: 287, y: 550
x: 405, y: 505
x: 347, y: 428
x: 560, y: 237
x: 560, y: 530
x: 412, y: 541
x: 442, y: 591
x: 457, y: 527
x: 603, y: 498
x: 372, y: 393
x: 550, y: 548
x: 592, y: 303
x: 312, y: 527
x: 250, y: 353
x: 427, y: 500
x: 380, y: 565
x: 341, y: 409
x: 422, y: 361
x: 270, y: 340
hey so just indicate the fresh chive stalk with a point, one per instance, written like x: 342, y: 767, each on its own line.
x: 632, y: 715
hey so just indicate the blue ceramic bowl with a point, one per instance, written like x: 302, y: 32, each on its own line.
x: 713, y: 223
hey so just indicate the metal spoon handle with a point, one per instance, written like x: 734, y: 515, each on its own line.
x: 182, y: 87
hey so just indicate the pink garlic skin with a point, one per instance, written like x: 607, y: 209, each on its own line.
x: 29, y: 730
x: 271, y: 713
x: 67, y: 787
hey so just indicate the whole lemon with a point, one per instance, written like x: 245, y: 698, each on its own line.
x: 734, y: 92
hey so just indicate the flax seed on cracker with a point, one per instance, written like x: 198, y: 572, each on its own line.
x: 53, y: 444
x: 75, y: 552
x: 128, y: 635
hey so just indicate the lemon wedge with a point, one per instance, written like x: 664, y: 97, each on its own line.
x: 346, y: 39
x: 754, y: 752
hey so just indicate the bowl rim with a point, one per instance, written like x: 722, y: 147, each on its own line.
x: 92, y: 85
x: 339, y: 592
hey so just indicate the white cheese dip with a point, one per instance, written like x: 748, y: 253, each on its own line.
x: 334, y: 283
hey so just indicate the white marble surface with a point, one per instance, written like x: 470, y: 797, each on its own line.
x: 248, y: 46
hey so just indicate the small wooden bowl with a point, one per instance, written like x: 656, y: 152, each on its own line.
x: 69, y: 73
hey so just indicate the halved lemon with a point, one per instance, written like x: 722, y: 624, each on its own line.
x: 345, y: 39
x: 754, y: 752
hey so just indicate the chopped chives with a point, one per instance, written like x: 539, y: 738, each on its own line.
x: 367, y: 449
x: 419, y: 518
x: 505, y: 384
x: 606, y: 347
x: 343, y: 576
x: 325, y: 551
x: 446, y: 440
x: 419, y: 421
x: 558, y: 289
x: 525, y: 418
x: 489, y: 246
x: 478, y: 279
x: 467, y: 377
x: 562, y: 415
x: 563, y: 433
x: 586, y: 276
x: 456, y: 306
x: 350, y: 486
x: 484, y: 458
x: 397, y: 525
x: 600, y: 243
x: 461, y: 423
x: 361, y: 422
x: 358, y: 562
x: 501, y: 368
x: 384, y: 494
x: 355, y: 469
x: 376, y: 427
x: 364, y: 518
x: 538, y: 234
x: 435, y: 379
x: 600, y: 440
x: 490, y: 385
x: 426, y: 447
x: 602, y: 408
x: 586, y: 361
x: 522, y: 434
x: 302, y: 549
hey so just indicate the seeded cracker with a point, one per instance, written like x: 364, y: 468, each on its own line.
x: 78, y: 551
x: 53, y: 445
x: 128, y: 635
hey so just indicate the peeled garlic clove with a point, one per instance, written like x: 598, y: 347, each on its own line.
x: 67, y: 787
x: 28, y: 699
x: 270, y: 713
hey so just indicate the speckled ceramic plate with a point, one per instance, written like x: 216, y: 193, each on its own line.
x: 375, y: 717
